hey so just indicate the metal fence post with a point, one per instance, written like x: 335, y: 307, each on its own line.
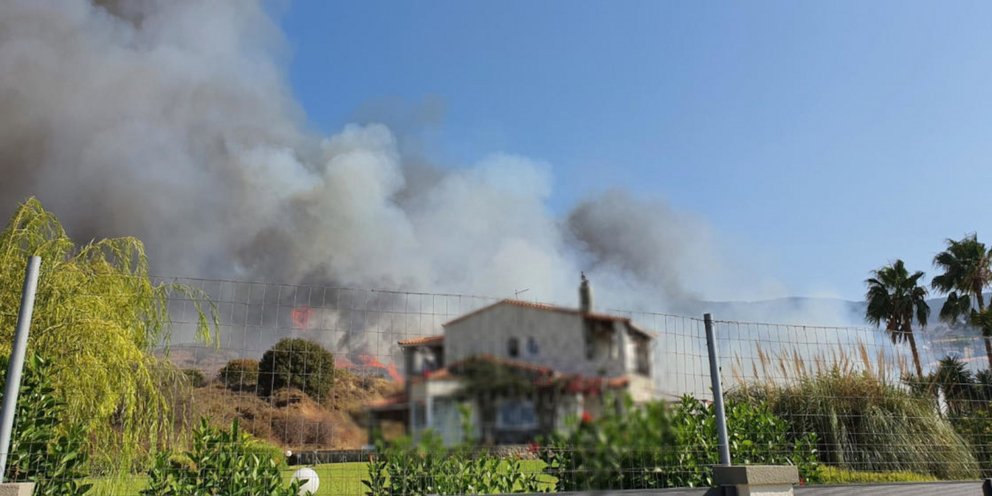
x: 721, y: 415
x: 12, y: 382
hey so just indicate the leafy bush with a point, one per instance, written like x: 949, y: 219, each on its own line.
x: 240, y: 374
x: 297, y: 363
x: 220, y: 462
x: 428, y: 467
x: 41, y: 450
x: 834, y: 475
x: 655, y: 446
x: 864, y: 424
x: 266, y: 450
x: 195, y: 378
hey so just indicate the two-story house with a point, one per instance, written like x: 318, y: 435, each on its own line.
x: 521, y: 368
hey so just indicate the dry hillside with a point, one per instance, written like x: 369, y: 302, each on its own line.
x: 293, y: 420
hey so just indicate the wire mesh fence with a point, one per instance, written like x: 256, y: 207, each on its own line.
x: 387, y: 392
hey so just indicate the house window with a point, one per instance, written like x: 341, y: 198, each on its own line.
x: 532, y: 347
x: 516, y: 415
x: 513, y: 347
x: 419, y: 415
x: 643, y: 351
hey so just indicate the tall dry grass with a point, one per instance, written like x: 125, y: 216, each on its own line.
x: 863, y: 417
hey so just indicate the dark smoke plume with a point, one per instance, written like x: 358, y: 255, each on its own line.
x: 171, y: 120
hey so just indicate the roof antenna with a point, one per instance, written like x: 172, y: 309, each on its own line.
x: 519, y: 292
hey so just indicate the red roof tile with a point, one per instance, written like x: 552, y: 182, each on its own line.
x: 393, y: 400
x: 584, y: 384
x: 439, y: 375
x: 422, y: 341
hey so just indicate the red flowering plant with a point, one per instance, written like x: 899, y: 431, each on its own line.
x: 586, y: 417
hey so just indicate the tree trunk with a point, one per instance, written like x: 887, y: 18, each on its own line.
x: 988, y: 339
x: 988, y: 349
x: 916, y: 354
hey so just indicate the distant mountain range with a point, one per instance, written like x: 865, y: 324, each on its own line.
x: 797, y: 310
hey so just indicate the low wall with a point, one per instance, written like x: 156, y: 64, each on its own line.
x: 318, y: 457
x: 968, y: 488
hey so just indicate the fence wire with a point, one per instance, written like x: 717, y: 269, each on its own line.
x: 387, y: 392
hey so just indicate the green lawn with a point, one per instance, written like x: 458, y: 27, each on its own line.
x: 335, y: 479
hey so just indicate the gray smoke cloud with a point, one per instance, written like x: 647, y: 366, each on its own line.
x: 171, y: 120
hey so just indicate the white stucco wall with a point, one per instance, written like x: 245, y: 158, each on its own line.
x: 440, y: 397
x: 559, y: 337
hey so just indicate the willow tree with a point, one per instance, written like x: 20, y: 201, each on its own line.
x: 98, y: 316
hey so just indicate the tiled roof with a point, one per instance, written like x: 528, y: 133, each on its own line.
x: 508, y: 362
x: 394, y: 400
x: 585, y: 384
x: 439, y: 374
x: 422, y: 341
x: 446, y: 372
x: 554, y: 308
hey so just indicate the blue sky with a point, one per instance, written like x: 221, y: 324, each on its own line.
x: 818, y: 139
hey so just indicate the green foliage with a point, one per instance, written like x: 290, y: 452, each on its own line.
x: 43, y: 450
x: 240, y: 374
x: 966, y: 270
x: 195, y: 378
x: 266, y: 451
x: 428, y: 467
x: 220, y: 462
x: 296, y: 363
x: 834, y: 475
x: 969, y: 410
x: 484, y: 380
x: 655, y: 446
x: 864, y: 424
x: 485, y: 377
x: 957, y: 384
x: 97, y: 317
x: 975, y: 426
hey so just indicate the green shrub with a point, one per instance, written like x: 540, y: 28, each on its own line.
x: 195, y: 378
x: 220, y: 462
x: 655, y: 446
x: 834, y: 475
x: 976, y: 428
x: 967, y: 398
x: 864, y: 424
x: 41, y: 449
x: 428, y: 467
x: 240, y: 374
x: 297, y: 363
x: 266, y: 451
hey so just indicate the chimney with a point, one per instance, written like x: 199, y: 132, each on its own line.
x: 585, y: 295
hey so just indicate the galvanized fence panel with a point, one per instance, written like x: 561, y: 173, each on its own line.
x: 501, y: 388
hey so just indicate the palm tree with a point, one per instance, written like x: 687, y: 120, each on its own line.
x: 967, y: 271
x: 895, y: 297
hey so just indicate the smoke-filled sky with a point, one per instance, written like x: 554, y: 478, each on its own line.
x: 481, y: 151
x: 817, y: 140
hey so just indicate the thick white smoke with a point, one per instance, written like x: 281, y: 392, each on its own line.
x: 171, y: 120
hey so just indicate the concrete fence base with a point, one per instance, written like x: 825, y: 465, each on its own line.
x: 17, y: 489
x: 757, y: 480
